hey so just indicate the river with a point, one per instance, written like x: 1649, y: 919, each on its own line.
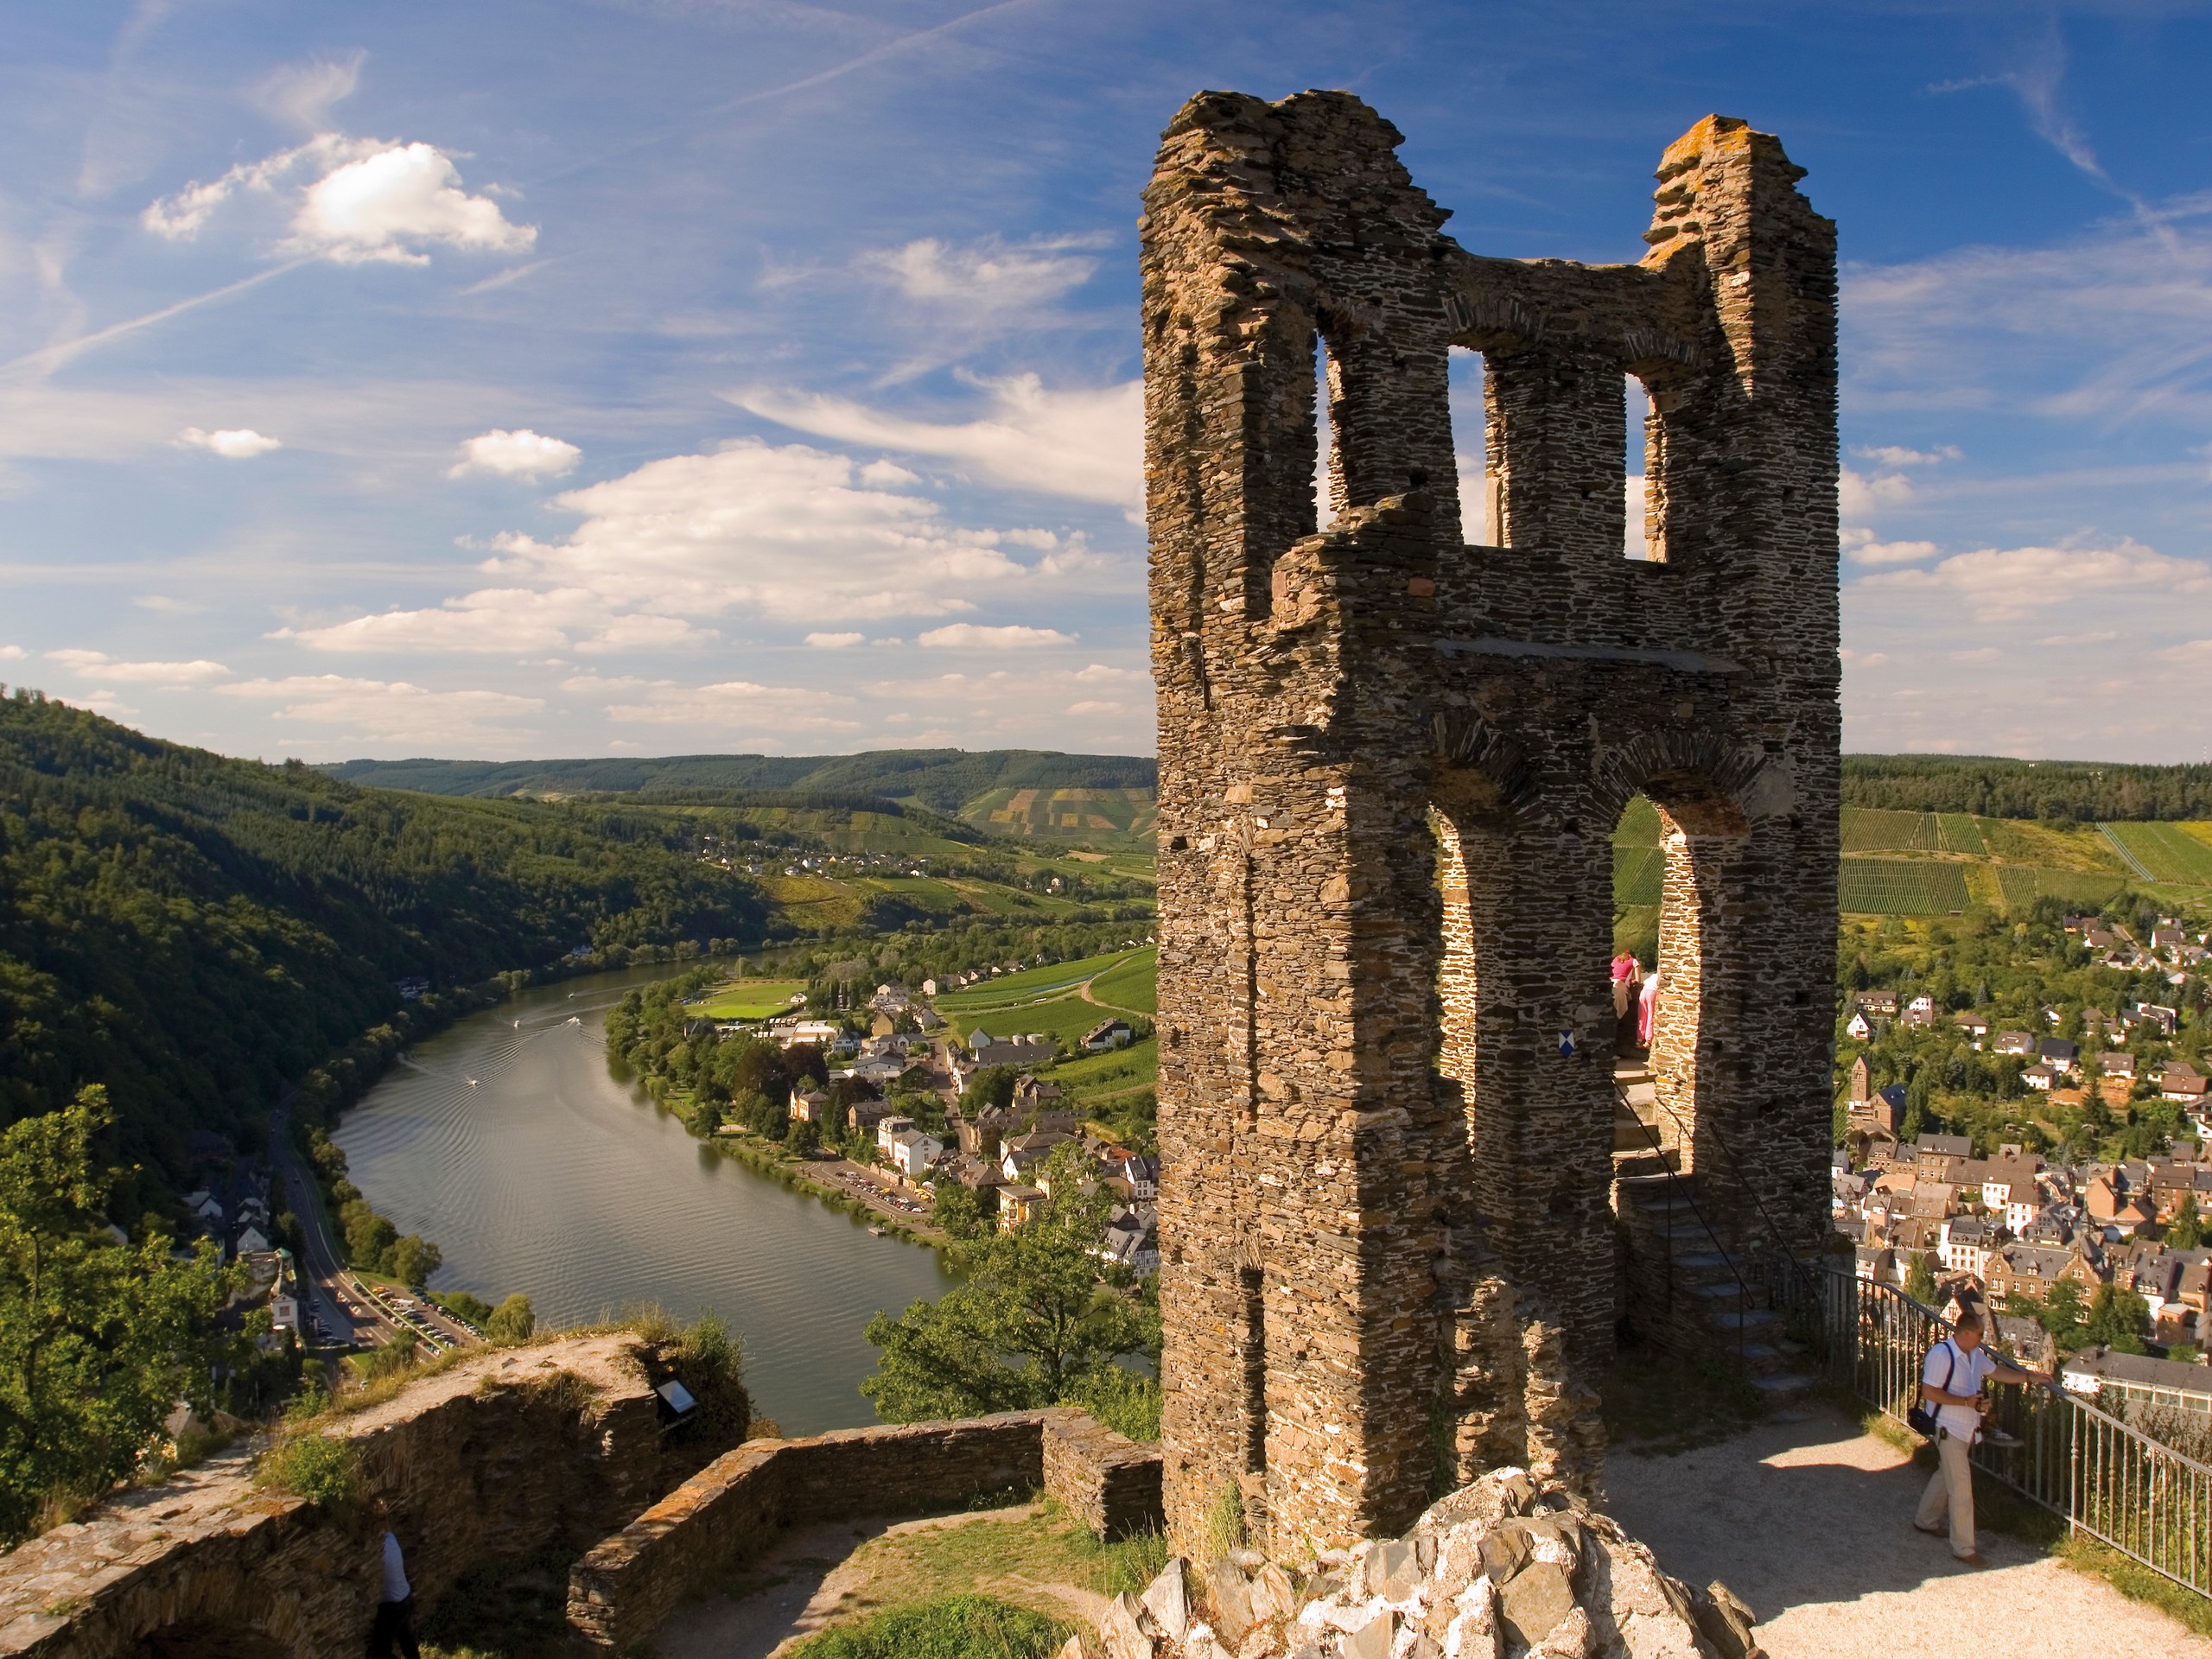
x: 552, y: 1176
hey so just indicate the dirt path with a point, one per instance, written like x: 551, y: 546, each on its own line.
x: 1810, y: 1521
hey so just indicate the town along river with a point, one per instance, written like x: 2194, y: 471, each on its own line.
x: 553, y: 1177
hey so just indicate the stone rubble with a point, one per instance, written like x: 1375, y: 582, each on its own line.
x: 1503, y: 1569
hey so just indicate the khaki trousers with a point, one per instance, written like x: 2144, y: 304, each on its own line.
x: 1951, y: 1486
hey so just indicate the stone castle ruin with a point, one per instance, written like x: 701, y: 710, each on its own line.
x: 1391, y: 764
x: 1398, y: 1247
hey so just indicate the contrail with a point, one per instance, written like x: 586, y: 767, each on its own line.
x: 48, y: 358
x: 877, y: 55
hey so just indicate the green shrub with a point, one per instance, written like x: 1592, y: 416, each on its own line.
x: 313, y: 1466
x: 1126, y: 1402
x: 945, y: 1627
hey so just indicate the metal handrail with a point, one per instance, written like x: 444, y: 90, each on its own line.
x: 1689, y: 1132
x: 2107, y: 1479
x: 1675, y: 1183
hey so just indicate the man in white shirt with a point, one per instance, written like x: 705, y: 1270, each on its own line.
x: 1950, y: 1383
x: 394, y: 1631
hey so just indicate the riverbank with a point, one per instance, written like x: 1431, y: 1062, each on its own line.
x: 550, y: 1174
x: 839, y: 1183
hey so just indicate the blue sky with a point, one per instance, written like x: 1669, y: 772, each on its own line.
x: 671, y: 376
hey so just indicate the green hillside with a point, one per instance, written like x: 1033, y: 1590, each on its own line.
x: 194, y: 931
x: 945, y: 779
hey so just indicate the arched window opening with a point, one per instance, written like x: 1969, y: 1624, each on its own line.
x: 1477, y: 510
x: 1645, y: 1140
x: 1637, y: 539
x: 1328, y: 472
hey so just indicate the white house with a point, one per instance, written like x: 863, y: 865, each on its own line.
x: 1860, y: 1027
x: 912, y: 1152
x: 889, y: 1130
x: 1108, y: 1034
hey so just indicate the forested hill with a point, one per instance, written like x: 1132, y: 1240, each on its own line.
x: 193, y: 931
x: 2081, y: 791
x: 944, y: 779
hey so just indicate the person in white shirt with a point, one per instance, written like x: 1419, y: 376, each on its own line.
x: 1950, y: 1383
x: 394, y: 1631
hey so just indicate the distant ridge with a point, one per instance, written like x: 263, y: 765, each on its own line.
x: 945, y: 779
x: 2085, y: 791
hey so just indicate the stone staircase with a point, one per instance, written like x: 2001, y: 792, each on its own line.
x: 1687, y: 1295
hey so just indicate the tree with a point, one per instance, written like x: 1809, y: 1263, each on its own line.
x: 512, y: 1320
x: 97, y: 1339
x: 2061, y: 1314
x: 1920, y: 1279
x: 414, y: 1259
x: 959, y: 1210
x: 1030, y: 1325
x: 2118, y: 1318
x: 2186, y: 1230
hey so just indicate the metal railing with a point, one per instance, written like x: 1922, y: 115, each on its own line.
x: 2106, y: 1478
x: 1682, y: 1190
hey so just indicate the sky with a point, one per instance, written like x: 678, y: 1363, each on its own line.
x: 559, y: 378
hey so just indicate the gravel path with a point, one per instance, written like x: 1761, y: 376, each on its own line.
x: 1810, y: 1521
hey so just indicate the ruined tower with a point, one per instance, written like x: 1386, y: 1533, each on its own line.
x: 1391, y: 765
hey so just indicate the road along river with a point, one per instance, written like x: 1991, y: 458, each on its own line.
x: 550, y: 1175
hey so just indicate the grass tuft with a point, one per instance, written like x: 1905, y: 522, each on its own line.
x: 944, y: 1627
x: 324, y: 1471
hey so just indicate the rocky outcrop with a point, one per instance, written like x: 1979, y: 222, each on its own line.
x: 1502, y: 1569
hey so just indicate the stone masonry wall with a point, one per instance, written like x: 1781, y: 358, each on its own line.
x: 621, y: 1591
x: 1391, y: 765
x: 511, y: 1452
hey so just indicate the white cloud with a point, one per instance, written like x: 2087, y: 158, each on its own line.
x: 1865, y: 549
x: 787, y: 534
x: 1093, y: 706
x: 503, y: 622
x: 969, y: 636
x: 833, y: 641
x: 1981, y: 654
x: 519, y: 453
x: 95, y: 664
x: 1891, y: 455
x: 1859, y: 496
x: 987, y: 278
x: 376, y: 208
x: 1999, y: 584
x: 304, y: 94
x: 728, y: 706
x: 12, y: 653
x: 367, y: 200
x: 388, y: 710
x: 2109, y: 324
x: 1087, y: 444
x: 233, y: 443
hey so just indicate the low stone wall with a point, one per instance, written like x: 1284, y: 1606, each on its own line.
x: 511, y: 1451
x: 1110, y: 1483
x: 622, y: 1591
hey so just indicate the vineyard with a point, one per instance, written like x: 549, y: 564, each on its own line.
x: 1897, y: 863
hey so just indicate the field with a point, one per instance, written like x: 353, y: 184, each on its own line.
x: 1103, y: 817
x: 1052, y: 999
x: 2169, y: 851
x: 1897, y: 886
x: 1933, y: 863
x: 750, y: 999
x: 1132, y: 985
x: 1032, y: 984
